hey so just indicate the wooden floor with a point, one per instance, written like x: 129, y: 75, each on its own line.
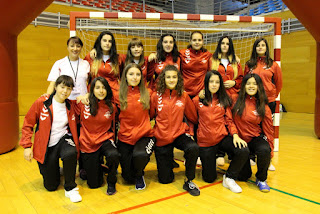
x: 295, y: 185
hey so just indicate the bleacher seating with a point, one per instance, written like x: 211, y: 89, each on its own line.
x: 117, y: 5
x: 266, y: 7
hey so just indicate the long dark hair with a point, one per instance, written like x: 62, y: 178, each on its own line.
x: 113, y: 54
x: 94, y: 100
x: 230, y: 54
x: 65, y: 80
x: 261, y: 97
x: 161, y: 85
x: 222, y: 95
x: 130, y: 57
x: 190, y: 46
x: 252, y: 63
x: 161, y: 54
x: 123, y: 92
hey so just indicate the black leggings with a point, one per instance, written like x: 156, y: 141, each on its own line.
x: 134, y: 158
x: 164, y: 156
x: 66, y: 150
x: 92, y: 165
x: 262, y: 149
x: 208, y: 159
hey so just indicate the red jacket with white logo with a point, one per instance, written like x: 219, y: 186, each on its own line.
x: 169, y: 110
x: 95, y: 129
x: 248, y: 124
x: 146, y: 71
x: 134, y: 120
x: 194, y: 66
x: 228, y: 74
x: 41, y: 114
x: 271, y: 77
x: 157, y: 67
x: 215, y: 122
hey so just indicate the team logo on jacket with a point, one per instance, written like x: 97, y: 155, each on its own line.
x: 160, y: 104
x: 219, y: 105
x: 204, y: 61
x: 107, y: 114
x: 44, y: 113
x: 255, y: 112
x: 73, y: 117
x: 160, y: 65
x: 188, y: 57
x: 200, y: 104
x: 179, y: 103
x: 86, y: 112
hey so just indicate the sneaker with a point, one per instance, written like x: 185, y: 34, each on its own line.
x: 220, y: 161
x: 83, y: 174
x: 191, y: 188
x: 263, y: 186
x: 230, y: 183
x: 140, y: 184
x: 271, y: 167
x: 199, y: 162
x: 175, y: 164
x: 111, y: 190
x: 73, y: 195
x: 252, y: 162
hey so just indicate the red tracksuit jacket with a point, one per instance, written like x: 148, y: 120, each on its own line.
x: 134, y: 121
x: 194, y: 66
x: 248, y: 124
x: 41, y: 113
x: 169, y: 111
x: 213, y: 120
x: 228, y: 74
x: 95, y: 129
x: 271, y: 77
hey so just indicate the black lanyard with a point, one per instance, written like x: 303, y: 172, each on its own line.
x: 75, y: 74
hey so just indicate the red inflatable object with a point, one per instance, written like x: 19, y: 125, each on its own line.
x: 307, y: 12
x: 15, y: 15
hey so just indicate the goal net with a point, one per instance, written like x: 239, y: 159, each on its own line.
x: 148, y: 27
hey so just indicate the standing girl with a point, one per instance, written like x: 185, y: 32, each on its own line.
x: 97, y: 135
x: 217, y: 131
x: 55, y: 137
x: 195, y: 62
x: 253, y: 119
x: 135, y: 135
x: 169, y: 106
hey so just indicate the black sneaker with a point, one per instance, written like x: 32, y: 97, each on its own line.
x: 111, y: 190
x: 191, y: 188
x: 175, y: 164
x: 140, y: 184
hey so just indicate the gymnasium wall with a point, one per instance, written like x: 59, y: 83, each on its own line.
x: 39, y: 47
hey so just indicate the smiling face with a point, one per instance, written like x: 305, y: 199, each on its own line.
x: 224, y: 46
x: 74, y: 50
x: 261, y: 48
x: 171, y: 79
x: 106, y: 44
x: 99, y: 91
x: 136, y: 51
x: 133, y: 76
x: 62, y: 92
x: 251, y: 87
x: 167, y: 44
x: 196, y: 41
x: 214, y: 84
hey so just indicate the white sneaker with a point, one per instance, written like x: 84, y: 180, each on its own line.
x: 229, y: 183
x: 73, y: 195
x: 199, y: 161
x: 252, y: 163
x: 220, y: 161
x: 271, y: 167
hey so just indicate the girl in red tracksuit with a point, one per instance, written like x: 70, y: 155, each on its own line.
x: 135, y: 54
x: 107, y: 63
x: 262, y: 64
x: 224, y: 61
x: 216, y: 131
x: 169, y: 105
x: 167, y: 54
x: 195, y: 62
x: 135, y: 134
x: 253, y: 119
x: 55, y: 137
x: 97, y: 135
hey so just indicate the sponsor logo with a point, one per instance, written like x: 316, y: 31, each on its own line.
x: 149, y: 147
x: 86, y: 112
x: 44, y: 113
x: 70, y: 142
x: 255, y: 113
x: 188, y: 57
x: 179, y: 103
x: 107, y: 114
x: 160, y: 104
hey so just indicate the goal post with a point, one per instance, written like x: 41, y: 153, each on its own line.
x: 244, y: 30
